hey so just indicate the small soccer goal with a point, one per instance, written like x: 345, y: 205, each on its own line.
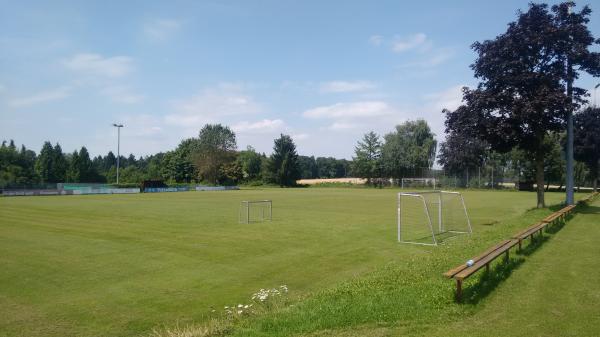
x: 426, y: 183
x: 255, y: 211
x: 429, y: 217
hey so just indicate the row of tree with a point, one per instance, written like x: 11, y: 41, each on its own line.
x: 402, y: 153
x: 212, y: 157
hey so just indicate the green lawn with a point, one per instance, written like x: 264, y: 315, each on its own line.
x: 120, y: 265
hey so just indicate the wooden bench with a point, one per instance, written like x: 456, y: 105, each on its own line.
x: 559, y: 215
x: 529, y: 232
x: 589, y: 198
x: 484, y: 259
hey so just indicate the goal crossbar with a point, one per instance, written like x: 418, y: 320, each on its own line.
x: 426, y: 182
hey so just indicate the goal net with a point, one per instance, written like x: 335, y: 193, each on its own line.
x: 429, y: 217
x: 427, y: 183
x: 255, y: 211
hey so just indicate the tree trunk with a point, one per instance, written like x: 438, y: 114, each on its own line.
x: 539, y: 177
x: 595, y: 176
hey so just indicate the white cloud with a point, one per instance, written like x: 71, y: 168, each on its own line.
x: 98, y: 65
x: 376, y: 40
x: 214, y: 104
x: 417, y: 41
x: 263, y: 126
x: 345, y: 86
x: 350, y: 110
x: 435, y: 58
x: 300, y: 136
x: 41, y: 97
x: 450, y: 98
x: 122, y: 94
x: 161, y: 29
x: 340, y: 126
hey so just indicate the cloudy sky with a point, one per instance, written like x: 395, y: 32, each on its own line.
x: 324, y: 72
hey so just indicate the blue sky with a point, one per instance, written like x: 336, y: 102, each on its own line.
x: 324, y: 72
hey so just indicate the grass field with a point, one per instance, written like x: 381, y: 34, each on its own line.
x: 120, y: 265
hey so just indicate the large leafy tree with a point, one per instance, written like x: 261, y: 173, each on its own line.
x: 215, y: 147
x: 250, y: 162
x: 308, y: 167
x: 178, y: 164
x: 283, y: 163
x: 522, y: 95
x: 587, y: 141
x: 367, y: 157
x: 409, y: 149
x: 463, y: 150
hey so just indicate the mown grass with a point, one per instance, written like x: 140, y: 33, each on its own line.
x: 125, y: 264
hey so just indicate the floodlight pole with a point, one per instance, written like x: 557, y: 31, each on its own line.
x: 570, y: 160
x: 118, y: 126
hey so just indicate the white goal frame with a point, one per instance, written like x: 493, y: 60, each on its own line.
x: 424, y: 180
x: 440, y: 224
x: 246, y: 205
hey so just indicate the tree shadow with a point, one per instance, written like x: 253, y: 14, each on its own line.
x: 586, y: 209
x: 556, y: 207
x: 488, y: 281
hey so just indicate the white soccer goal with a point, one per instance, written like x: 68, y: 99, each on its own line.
x: 428, y: 183
x: 256, y: 211
x: 428, y: 217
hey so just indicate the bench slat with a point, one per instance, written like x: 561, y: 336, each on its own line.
x: 528, y: 231
x: 450, y: 273
x: 481, y: 263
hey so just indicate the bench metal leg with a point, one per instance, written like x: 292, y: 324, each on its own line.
x: 487, y: 267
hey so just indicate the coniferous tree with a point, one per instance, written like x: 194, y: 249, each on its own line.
x: 283, y: 163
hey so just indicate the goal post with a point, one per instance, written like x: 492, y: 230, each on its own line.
x: 427, y: 183
x: 255, y: 211
x: 428, y: 217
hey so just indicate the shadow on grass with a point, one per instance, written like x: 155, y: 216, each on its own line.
x: 533, y: 245
x: 588, y: 209
x: 488, y: 281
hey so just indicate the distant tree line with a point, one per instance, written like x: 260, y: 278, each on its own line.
x: 210, y: 158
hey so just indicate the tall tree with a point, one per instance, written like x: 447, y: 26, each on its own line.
x: 110, y: 160
x: 522, y: 94
x: 177, y: 165
x: 59, y: 165
x: 587, y: 141
x: 367, y: 159
x: 463, y: 150
x: 216, y: 146
x: 409, y: 149
x: 74, y: 168
x: 250, y: 162
x: 283, y: 163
